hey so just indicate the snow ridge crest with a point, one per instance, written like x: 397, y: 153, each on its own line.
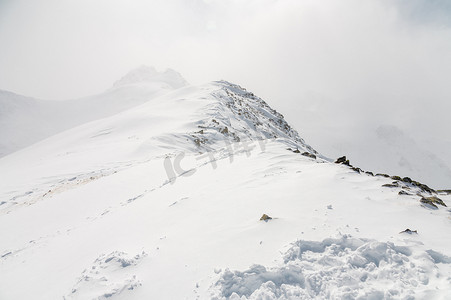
x: 236, y: 115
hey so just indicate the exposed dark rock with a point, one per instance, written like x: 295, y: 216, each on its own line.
x: 341, y: 160
x: 358, y: 170
x: 236, y: 138
x: 423, y: 187
x: 199, y: 141
x: 429, y: 203
x: 404, y: 193
x: 265, y: 218
x: 407, y: 179
x: 384, y: 175
x: 308, y: 154
x: 427, y: 189
x: 409, y: 231
x: 295, y: 151
x: 432, y: 201
x: 391, y: 185
x: 224, y: 131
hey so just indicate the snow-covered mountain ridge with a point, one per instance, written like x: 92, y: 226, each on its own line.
x: 25, y: 120
x: 236, y: 114
x: 192, y: 120
x: 163, y: 201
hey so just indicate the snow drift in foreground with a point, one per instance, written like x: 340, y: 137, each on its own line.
x: 344, y: 268
x: 164, y: 201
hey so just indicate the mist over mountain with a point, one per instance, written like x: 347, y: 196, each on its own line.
x: 157, y: 189
x: 377, y: 147
x: 26, y: 120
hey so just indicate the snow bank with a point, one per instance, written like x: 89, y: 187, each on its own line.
x: 343, y: 268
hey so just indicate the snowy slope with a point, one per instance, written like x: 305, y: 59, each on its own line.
x: 25, y: 120
x: 163, y: 201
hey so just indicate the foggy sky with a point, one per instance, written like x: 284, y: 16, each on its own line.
x: 336, y: 69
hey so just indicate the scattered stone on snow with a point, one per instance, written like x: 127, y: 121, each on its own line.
x: 407, y: 179
x: 383, y: 175
x: 265, y: 218
x: 424, y: 187
x: 224, y: 131
x: 432, y: 201
x: 358, y: 170
x: 409, y: 231
x: 308, y: 154
x: 390, y: 185
x: 404, y: 193
x: 342, y: 160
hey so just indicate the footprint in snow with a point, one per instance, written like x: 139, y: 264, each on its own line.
x: 109, y: 275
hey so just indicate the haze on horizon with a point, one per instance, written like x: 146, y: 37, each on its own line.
x: 353, y: 77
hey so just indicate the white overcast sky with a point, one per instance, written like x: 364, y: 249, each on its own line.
x: 58, y: 49
x: 335, y: 68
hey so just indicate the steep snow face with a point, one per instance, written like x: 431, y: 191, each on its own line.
x: 170, y: 194
x: 230, y: 113
x: 24, y: 120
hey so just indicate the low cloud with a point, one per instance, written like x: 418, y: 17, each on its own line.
x: 338, y: 70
